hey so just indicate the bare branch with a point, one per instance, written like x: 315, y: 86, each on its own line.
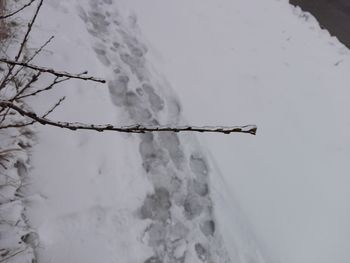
x: 17, y: 125
x: 24, y: 41
x: 40, y: 49
x: 29, y: 29
x: 51, y: 71
x: 5, y: 168
x: 9, y: 151
x: 12, y: 255
x: 10, y: 113
x: 4, y: 115
x: 55, y: 82
x: 17, y: 11
x: 32, y: 57
x: 58, y: 103
x: 250, y: 129
x: 27, y: 86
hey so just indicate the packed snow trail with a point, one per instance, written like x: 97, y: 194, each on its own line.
x: 140, y: 198
x: 182, y: 226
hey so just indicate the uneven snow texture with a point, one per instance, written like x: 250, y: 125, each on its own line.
x: 269, y: 64
x: 140, y: 198
x: 17, y: 239
x: 181, y: 226
x: 159, y: 198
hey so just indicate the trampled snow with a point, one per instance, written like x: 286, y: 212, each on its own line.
x: 169, y: 198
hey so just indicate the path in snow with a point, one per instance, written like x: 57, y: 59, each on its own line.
x: 180, y: 213
x: 182, y: 226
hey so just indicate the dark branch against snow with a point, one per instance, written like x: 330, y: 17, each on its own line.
x: 249, y: 129
x: 51, y: 71
x: 23, y: 44
x: 17, y: 11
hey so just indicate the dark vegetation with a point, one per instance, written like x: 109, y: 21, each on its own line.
x: 333, y: 15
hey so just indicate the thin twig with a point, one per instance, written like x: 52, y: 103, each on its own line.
x: 51, y: 71
x: 27, y: 86
x: 29, y: 29
x: 55, y: 82
x: 17, y: 11
x: 250, y: 129
x: 17, y: 125
x: 24, y: 41
x: 33, y: 56
x: 54, y: 107
x: 14, y: 254
x: 10, y: 113
x: 4, y: 115
x: 40, y: 49
x: 19, y: 92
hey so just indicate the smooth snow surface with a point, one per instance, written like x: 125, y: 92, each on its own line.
x: 161, y: 198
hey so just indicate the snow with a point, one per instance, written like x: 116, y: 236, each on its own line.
x: 17, y: 239
x: 267, y: 63
x: 97, y: 196
x: 125, y: 198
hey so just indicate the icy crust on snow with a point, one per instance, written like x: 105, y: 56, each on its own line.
x: 181, y: 222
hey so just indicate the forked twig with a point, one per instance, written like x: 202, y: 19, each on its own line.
x: 23, y: 43
x: 17, y: 11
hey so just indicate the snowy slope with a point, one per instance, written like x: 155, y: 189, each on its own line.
x: 106, y: 196
x: 117, y: 198
x: 266, y: 63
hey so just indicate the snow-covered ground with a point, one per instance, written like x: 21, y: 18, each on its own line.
x: 265, y: 62
x: 179, y: 198
x: 147, y: 193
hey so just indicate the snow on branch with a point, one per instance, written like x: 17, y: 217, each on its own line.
x: 22, y: 88
x: 52, y: 71
x: 250, y: 129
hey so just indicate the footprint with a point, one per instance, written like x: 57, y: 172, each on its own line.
x: 136, y: 48
x: 199, y: 186
x: 101, y: 55
x: 156, y: 206
x: 201, y: 252
x: 117, y: 89
x: 156, y: 234
x: 152, y: 156
x: 98, y: 22
x: 170, y: 141
x: 135, y: 64
x: 157, y: 104
x: 193, y: 206
x: 208, y: 228
x: 198, y: 165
